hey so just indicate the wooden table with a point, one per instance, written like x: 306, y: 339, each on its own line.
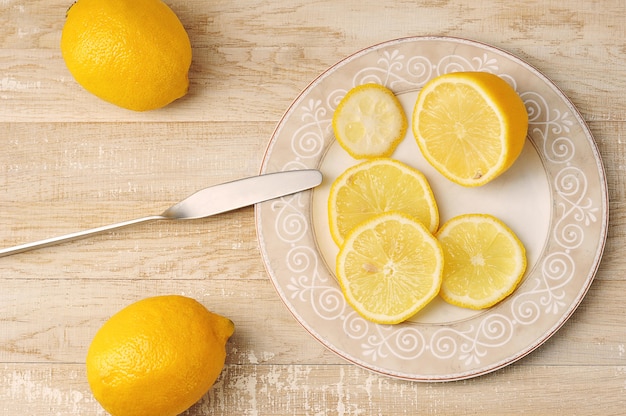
x: 69, y: 161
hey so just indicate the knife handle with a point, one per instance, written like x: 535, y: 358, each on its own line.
x: 74, y: 236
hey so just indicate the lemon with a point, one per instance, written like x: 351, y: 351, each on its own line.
x: 484, y: 260
x: 376, y: 186
x: 133, y: 53
x: 157, y: 356
x: 470, y: 126
x: 389, y: 268
x: 369, y: 122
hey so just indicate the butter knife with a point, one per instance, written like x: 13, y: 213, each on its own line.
x: 206, y: 202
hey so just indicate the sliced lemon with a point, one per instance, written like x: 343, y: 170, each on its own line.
x: 470, y: 126
x: 376, y: 186
x: 389, y: 268
x: 484, y: 260
x: 369, y: 122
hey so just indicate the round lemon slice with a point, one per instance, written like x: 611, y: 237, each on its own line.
x: 369, y: 122
x: 377, y: 186
x: 389, y: 268
x: 470, y: 126
x: 484, y: 261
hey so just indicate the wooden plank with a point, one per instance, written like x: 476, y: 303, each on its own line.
x: 253, y: 87
x: 154, y: 161
x: 243, y: 69
x: 54, y: 320
x: 329, y: 24
x: 250, y: 389
x: 57, y: 178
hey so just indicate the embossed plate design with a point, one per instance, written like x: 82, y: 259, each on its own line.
x: 554, y: 198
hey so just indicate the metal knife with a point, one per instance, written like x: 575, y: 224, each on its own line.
x: 206, y: 202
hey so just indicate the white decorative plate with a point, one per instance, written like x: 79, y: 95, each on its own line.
x: 554, y: 198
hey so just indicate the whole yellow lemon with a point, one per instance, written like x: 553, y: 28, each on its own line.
x: 157, y: 356
x: 133, y: 53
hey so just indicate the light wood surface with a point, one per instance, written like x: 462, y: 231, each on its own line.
x: 69, y: 161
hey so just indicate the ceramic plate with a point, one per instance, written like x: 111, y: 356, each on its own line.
x: 554, y: 198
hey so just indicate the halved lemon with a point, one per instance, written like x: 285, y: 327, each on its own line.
x: 376, y: 186
x: 369, y: 122
x: 389, y: 268
x: 484, y: 260
x: 470, y: 126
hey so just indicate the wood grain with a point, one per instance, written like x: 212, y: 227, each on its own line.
x: 69, y: 161
x: 244, y: 67
x: 41, y: 390
x: 70, y: 313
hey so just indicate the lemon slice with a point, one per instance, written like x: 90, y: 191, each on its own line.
x: 376, y: 186
x: 484, y: 261
x: 369, y: 122
x: 470, y: 126
x: 389, y: 268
